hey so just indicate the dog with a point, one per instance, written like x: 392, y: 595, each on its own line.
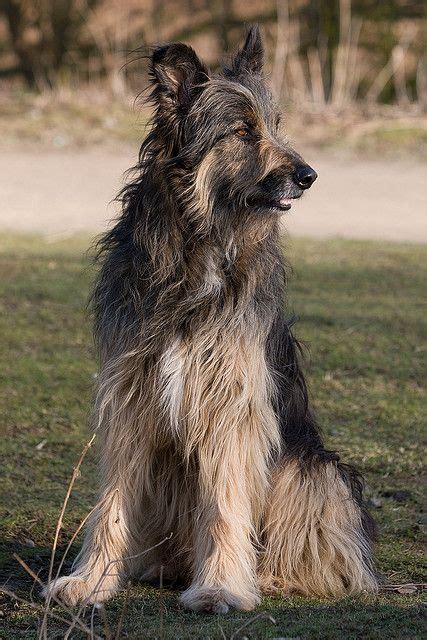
x: 213, y: 468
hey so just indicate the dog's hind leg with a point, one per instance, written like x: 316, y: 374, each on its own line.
x: 316, y: 533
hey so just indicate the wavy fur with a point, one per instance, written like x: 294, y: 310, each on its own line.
x: 202, y: 408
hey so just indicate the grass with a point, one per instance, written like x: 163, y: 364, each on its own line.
x: 360, y: 312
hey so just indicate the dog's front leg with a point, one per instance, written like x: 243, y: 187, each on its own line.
x: 112, y: 537
x: 100, y: 563
x: 224, y: 567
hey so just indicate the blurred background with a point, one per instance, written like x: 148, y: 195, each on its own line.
x: 322, y: 53
x: 351, y: 76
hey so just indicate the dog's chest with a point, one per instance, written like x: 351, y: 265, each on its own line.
x: 214, y: 380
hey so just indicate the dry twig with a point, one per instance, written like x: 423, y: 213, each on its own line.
x: 36, y: 578
x: 76, y: 471
x: 263, y: 614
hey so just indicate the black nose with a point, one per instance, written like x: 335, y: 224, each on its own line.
x: 304, y: 176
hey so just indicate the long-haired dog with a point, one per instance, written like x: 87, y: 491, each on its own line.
x: 212, y: 462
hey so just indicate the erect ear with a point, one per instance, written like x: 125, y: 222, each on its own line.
x: 251, y: 56
x: 177, y: 73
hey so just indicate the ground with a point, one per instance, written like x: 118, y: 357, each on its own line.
x: 353, y: 197
x: 360, y: 315
x: 62, y: 155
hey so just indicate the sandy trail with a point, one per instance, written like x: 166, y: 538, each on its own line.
x: 64, y: 192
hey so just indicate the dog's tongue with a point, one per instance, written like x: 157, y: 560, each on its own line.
x: 285, y: 202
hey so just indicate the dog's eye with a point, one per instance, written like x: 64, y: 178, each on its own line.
x: 242, y: 132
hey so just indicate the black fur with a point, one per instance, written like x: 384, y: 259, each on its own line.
x: 154, y: 258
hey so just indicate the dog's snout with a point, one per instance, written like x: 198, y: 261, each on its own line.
x: 304, y: 176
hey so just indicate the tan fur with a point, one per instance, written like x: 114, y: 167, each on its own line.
x: 313, y: 536
x: 186, y: 452
x: 204, y: 481
x: 184, y: 409
x: 229, y: 425
x: 100, y: 563
x: 198, y: 193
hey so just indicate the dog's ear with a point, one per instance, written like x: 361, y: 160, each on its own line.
x: 251, y: 56
x: 177, y: 74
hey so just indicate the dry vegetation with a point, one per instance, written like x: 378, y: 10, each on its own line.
x: 347, y: 72
x: 61, y: 118
x: 322, y: 55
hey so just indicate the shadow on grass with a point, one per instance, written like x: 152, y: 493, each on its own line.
x: 149, y: 612
x: 14, y: 576
x: 387, y: 616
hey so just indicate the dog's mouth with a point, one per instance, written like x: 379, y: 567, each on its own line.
x: 276, y: 198
x: 284, y: 204
x: 275, y: 204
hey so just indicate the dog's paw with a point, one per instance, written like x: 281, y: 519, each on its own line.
x: 216, y: 599
x: 74, y: 590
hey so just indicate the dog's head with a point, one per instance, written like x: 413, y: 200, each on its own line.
x: 222, y: 134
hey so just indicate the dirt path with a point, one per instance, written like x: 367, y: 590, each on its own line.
x: 66, y: 192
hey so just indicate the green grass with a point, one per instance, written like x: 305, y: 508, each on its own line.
x: 361, y: 314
